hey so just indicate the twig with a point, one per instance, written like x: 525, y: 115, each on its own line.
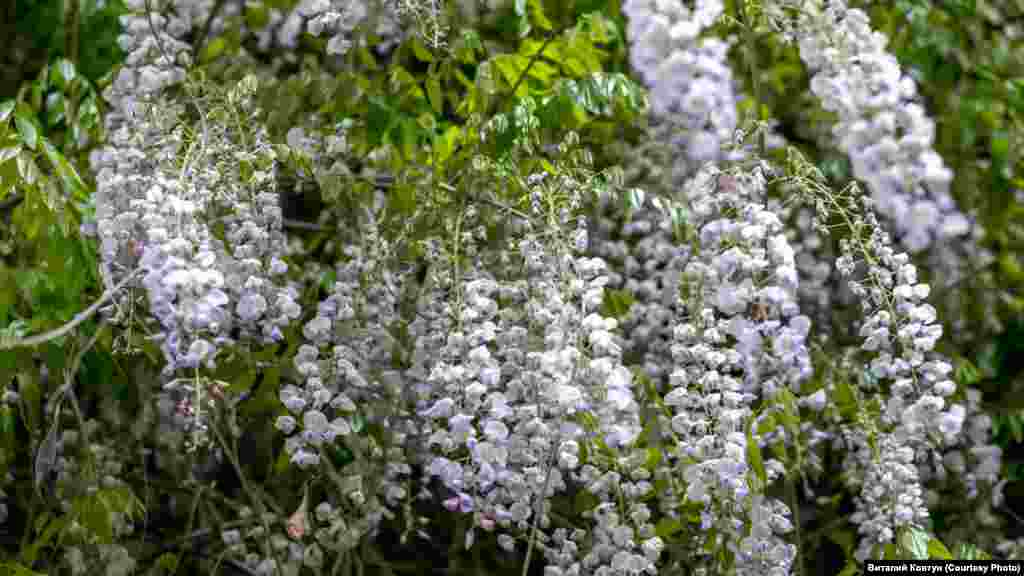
x: 69, y: 381
x: 303, y: 225
x: 201, y: 37
x: 10, y: 343
x: 232, y: 453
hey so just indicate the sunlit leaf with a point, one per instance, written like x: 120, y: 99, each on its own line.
x: 445, y: 144
x: 9, y: 152
x: 420, y: 51
x: 937, y: 550
x: 213, y: 49
x: 6, y: 107
x: 63, y: 73
x: 616, y: 303
x: 667, y: 527
x: 256, y: 15
x: 754, y: 455
x: 434, y: 94
x: 915, y: 542
x: 27, y: 130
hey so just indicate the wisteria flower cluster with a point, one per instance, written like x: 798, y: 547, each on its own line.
x: 689, y: 76
x: 881, y: 125
x: 495, y: 380
x: 905, y: 379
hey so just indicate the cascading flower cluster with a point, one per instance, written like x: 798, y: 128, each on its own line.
x: 511, y: 381
x: 741, y: 339
x: 881, y: 126
x: 899, y: 334
x: 159, y: 191
x: 503, y: 379
x: 690, y: 79
x: 337, y: 19
x: 348, y: 388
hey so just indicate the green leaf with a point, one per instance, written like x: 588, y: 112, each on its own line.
x: 1000, y: 146
x: 327, y: 280
x: 31, y: 406
x: 1013, y: 422
x: 168, y: 562
x: 617, y: 303
x: 53, y: 528
x: 965, y: 551
x: 845, y: 399
x: 851, y: 569
x: 790, y: 412
x: 654, y: 457
x: 634, y: 199
x: 407, y: 137
x: 7, y: 420
x: 63, y: 73
x: 511, y: 66
x: 213, y: 49
x: 966, y: 373
x: 754, y: 455
x: 93, y: 514
x: 844, y: 539
x: 445, y: 144
x: 915, y: 542
x: 358, y: 422
x: 667, y: 527
x: 281, y: 464
x: 256, y: 15
x: 537, y: 15
x: 9, y: 569
x: 403, y: 199
x: 9, y: 152
x: 522, y: 19
x: 73, y: 185
x: 6, y: 107
x: 341, y: 455
x: 937, y: 550
x: 27, y: 130
x: 434, y: 94
x: 420, y: 51
x: 54, y: 108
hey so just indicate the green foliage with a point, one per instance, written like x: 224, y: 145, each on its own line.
x: 15, y: 569
x: 89, y: 35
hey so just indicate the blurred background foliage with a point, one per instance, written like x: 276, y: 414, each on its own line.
x: 530, y: 76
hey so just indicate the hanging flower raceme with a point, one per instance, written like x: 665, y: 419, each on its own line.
x: 741, y: 340
x: 881, y: 124
x: 690, y: 79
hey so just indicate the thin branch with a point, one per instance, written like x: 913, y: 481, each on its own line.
x: 201, y: 37
x: 303, y: 225
x: 69, y: 382
x: 10, y: 343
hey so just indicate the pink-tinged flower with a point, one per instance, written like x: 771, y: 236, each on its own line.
x: 461, y: 502
x: 486, y: 521
x: 298, y: 523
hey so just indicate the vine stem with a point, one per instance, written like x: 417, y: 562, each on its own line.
x: 750, y: 36
x: 10, y: 343
x: 794, y: 506
x: 231, y: 449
